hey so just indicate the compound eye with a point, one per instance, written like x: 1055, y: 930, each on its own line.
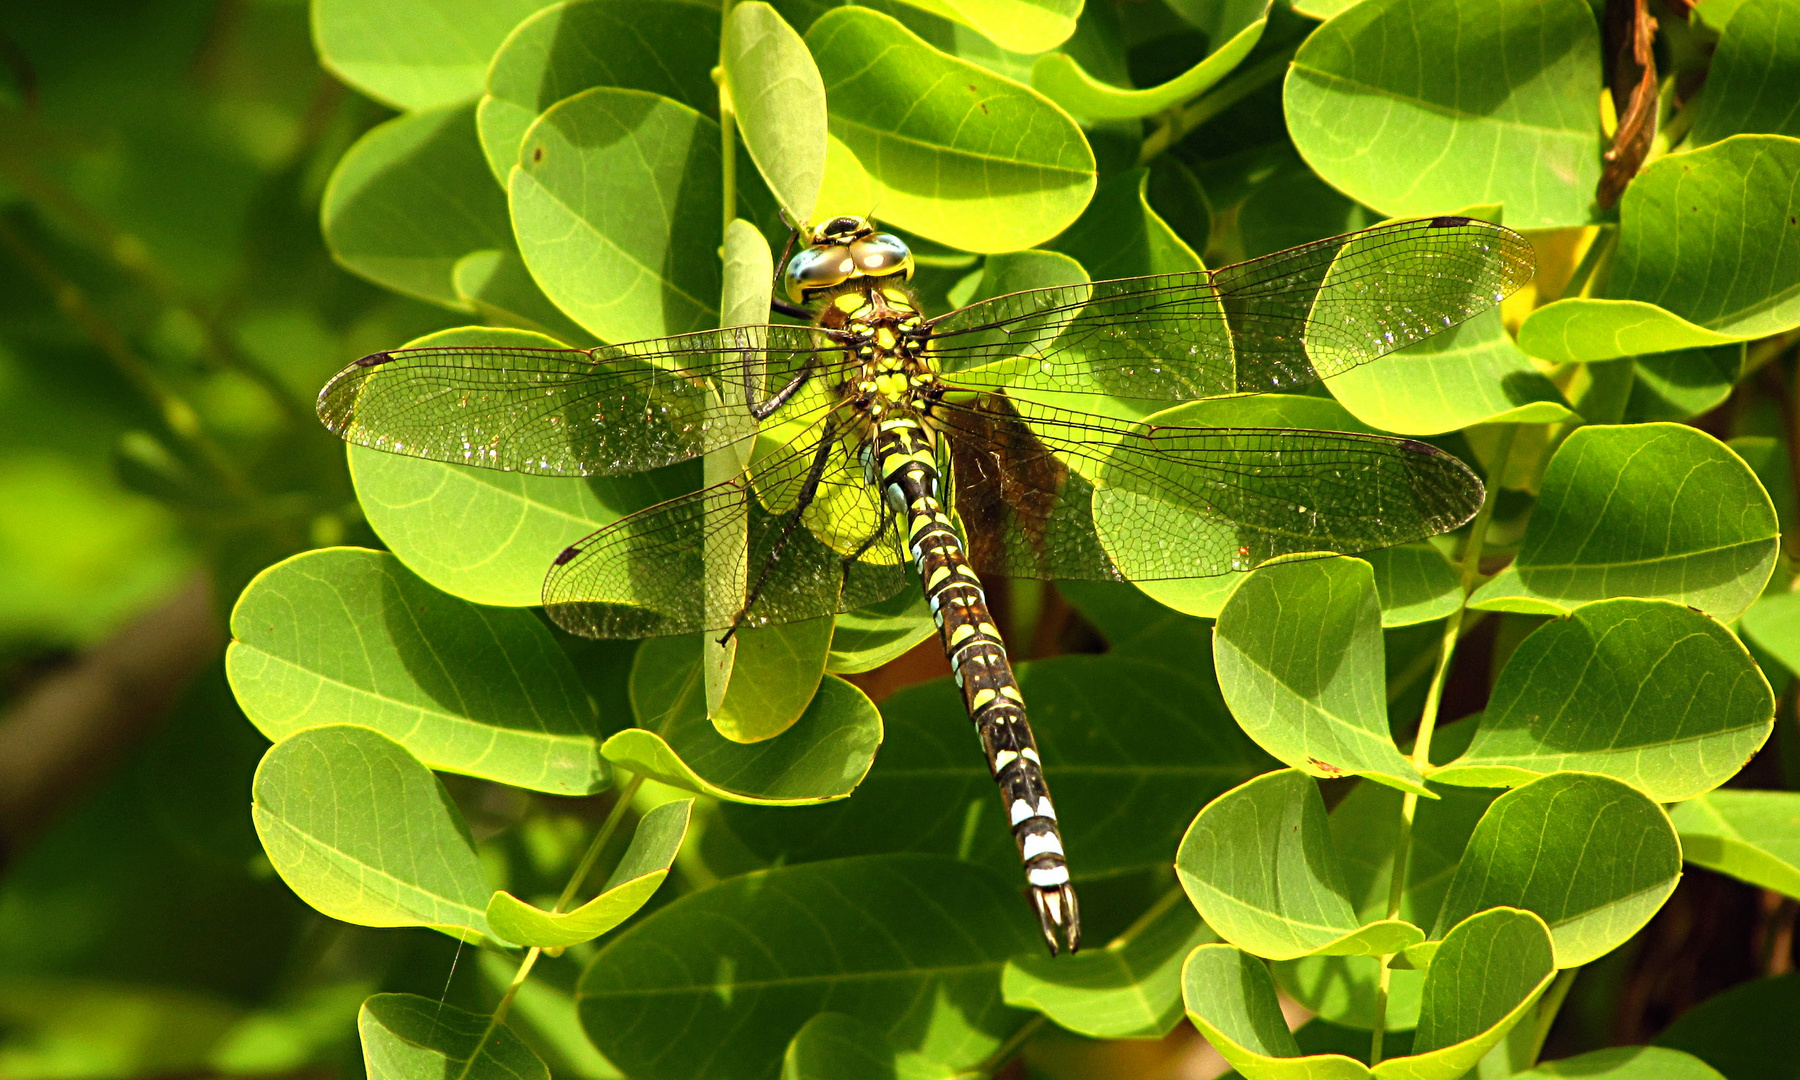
x: 882, y: 255
x: 818, y: 268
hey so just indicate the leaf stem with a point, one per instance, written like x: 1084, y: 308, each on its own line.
x: 1434, y: 695
x: 727, y: 130
x: 1241, y: 84
x: 1548, y: 1006
x: 614, y: 817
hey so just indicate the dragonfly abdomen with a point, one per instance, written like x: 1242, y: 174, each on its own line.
x: 909, y: 476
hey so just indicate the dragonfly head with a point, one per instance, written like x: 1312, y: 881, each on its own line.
x: 844, y: 248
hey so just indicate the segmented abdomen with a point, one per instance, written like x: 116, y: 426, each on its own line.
x: 908, y: 473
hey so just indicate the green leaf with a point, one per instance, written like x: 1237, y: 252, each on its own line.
x: 342, y: 635
x: 1594, y: 857
x: 1711, y: 236
x: 666, y: 47
x: 1773, y: 623
x: 1758, y: 54
x: 1490, y: 971
x: 1626, y: 1063
x: 1652, y: 510
x: 1299, y: 653
x: 408, y: 1037
x: 1583, y: 329
x: 1682, y: 384
x: 1261, y: 866
x: 1752, y: 835
x: 1123, y: 991
x: 1470, y: 374
x: 1747, y: 1032
x: 867, y: 638
x: 822, y: 757
x: 780, y: 101
x: 716, y: 983
x: 773, y: 679
x: 954, y: 152
x: 1419, y: 108
x: 486, y: 535
x: 637, y: 877
x: 608, y: 203
x: 1124, y: 790
x: 1645, y: 691
x: 364, y: 832
x: 498, y: 287
x: 413, y: 55
x: 834, y: 1046
x: 410, y: 199
x: 1365, y: 830
x: 1119, y: 235
x: 1021, y: 26
x: 1061, y: 78
x: 1415, y: 584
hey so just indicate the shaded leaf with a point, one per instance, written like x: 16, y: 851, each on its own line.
x: 410, y: 199
x: 1652, y: 510
x: 717, y: 983
x: 1645, y: 691
x: 1626, y: 1063
x: 1123, y: 991
x: 867, y: 638
x: 346, y: 635
x: 363, y: 831
x: 1299, y: 653
x: 1119, y: 235
x: 1260, y: 865
x: 1593, y: 857
x: 500, y: 289
x: 1758, y: 55
x: 606, y: 201
x: 1415, y: 583
x: 408, y: 1037
x: 1745, y: 1032
x: 1752, y: 835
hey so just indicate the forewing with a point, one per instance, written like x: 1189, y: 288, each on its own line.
x: 688, y: 564
x: 1272, y: 323
x: 570, y: 412
x: 1178, y: 502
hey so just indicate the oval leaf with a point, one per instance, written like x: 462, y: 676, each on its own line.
x: 639, y: 873
x: 1759, y: 52
x: 1061, y: 78
x: 774, y: 676
x: 955, y: 153
x: 1593, y: 857
x: 1651, y: 510
x: 780, y: 102
x: 822, y: 757
x: 1645, y: 691
x: 408, y: 1037
x: 608, y: 203
x: 1626, y: 1063
x: 412, y: 54
x: 1582, y: 329
x: 666, y: 47
x: 1260, y: 864
x: 1418, y: 107
x: 349, y: 635
x: 410, y: 199
x: 364, y: 832
x: 1752, y: 835
x: 1299, y: 653
x: 716, y: 983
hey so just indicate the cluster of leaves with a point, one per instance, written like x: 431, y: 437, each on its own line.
x: 610, y: 170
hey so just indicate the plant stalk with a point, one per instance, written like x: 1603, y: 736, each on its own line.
x: 727, y: 132
x: 614, y: 817
x: 1434, y: 695
x: 1240, y: 85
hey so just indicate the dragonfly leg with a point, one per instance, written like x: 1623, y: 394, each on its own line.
x: 792, y: 311
x: 763, y: 409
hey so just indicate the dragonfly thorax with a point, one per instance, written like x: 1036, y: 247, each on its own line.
x: 883, y: 334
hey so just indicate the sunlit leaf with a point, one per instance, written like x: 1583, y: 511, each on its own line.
x: 1752, y: 835
x: 408, y: 1037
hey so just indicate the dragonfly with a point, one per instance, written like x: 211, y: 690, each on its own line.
x: 872, y: 448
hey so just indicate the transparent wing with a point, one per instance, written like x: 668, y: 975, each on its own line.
x: 690, y: 563
x: 571, y: 412
x: 1272, y: 323
x: 1066, y: 497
